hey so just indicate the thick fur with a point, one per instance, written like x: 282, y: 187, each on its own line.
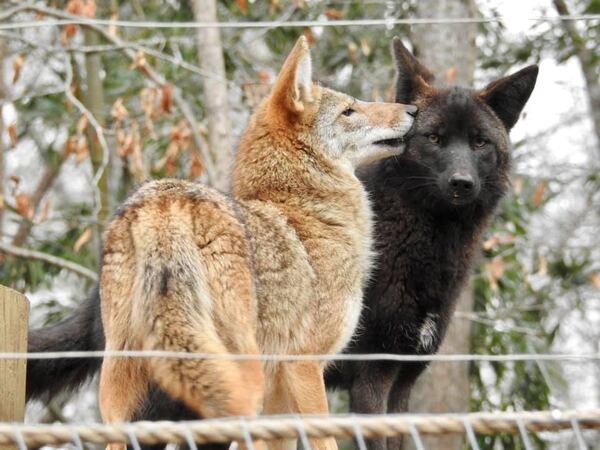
x: 278, y: 268
x: 432, y: 204
x: 426, y: 238
x: 82, y: 331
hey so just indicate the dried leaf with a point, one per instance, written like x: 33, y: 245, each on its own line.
x: 169, y: 158
x: 543, y: 265
x: 353, y: 52
x: 68, y: 31
x: 83, y: 239
x: 365, y: 47
x: 595, y: 279
x: 45, y: 211
x: 139, y: 61
x: 517, y: 185
x: 82, y: 149
x: 89, y: 8
x: 243, y: 5
x: 125, y: 144
x: 264, y: 77
x: 538, y: 195
x: 17, y: 65
x: 70, y: 146
x: 166, y: 100
x: 451, y: 75
x: 196, y: 168
x: 273, y: 7
x: 334, y: 14
x: 82, y: 124
x: 490, y: 243
x: 149, y: 102
x: 12, y: 133
x: 498, y: 239
x: 118, y: 110
x: 112, y: 28
x: 136, y: 162
x: 23, y: 205
x: 494, y: 270
x: 74, y: 6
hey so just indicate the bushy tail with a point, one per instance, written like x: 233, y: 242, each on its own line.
x: 80, y: 332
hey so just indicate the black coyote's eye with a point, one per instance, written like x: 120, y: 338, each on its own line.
x: 434, y: 138
x: 480, y: 142
x: 348, y: 112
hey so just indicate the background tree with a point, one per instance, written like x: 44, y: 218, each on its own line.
x: 537, y: 287
x: 449, y: 51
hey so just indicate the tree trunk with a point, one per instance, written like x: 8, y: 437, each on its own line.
x: 2, y: 158
x: 210, y: 59
x: 94, y: 102
x: 589, y: 67
x: 450, y: 52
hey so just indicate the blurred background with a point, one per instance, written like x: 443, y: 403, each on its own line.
x: 90, y: 111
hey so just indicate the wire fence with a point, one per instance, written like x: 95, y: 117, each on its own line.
x: 248, y: 430
x: 513, y: 357
x: 64, y: 18
x: 270, y: 428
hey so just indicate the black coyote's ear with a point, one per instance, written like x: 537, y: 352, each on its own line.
x: 507, y: 96
x: 413, y: 77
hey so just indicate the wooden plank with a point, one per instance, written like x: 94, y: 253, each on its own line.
x: 14, y: 314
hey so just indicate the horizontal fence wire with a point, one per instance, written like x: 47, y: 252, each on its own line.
x: 64, y: 18
x: 575, y: 357
x: 304, y: 427
x: 286, y: 24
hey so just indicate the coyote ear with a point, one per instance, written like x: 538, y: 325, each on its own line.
x: 413, y: 77
x: 507, y: 96
x: 293, y: 87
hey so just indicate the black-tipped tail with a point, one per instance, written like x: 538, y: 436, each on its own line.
x: 80, y: 332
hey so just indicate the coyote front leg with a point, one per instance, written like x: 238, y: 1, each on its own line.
x: 123, y: 385
x: 298, y: 387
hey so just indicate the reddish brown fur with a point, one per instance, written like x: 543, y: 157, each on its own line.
x: 279, y: 268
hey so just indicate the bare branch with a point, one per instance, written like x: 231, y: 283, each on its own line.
x: 210, y: 55
x: 151, y: 74
x: 20, y: 252
x: 588, y: 66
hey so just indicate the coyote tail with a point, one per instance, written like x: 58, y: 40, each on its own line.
x: 82, y: 331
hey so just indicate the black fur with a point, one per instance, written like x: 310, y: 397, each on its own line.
x: 428, y: 227
x: 80, y: 332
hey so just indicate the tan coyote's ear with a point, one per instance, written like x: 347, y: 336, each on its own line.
x: 293, y: 87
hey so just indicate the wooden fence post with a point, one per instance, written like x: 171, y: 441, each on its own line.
x: 14, y: 315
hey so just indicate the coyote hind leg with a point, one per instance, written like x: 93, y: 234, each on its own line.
x: 298, y: 387
x: 123, y: 385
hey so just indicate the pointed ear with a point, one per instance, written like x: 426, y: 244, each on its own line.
x: 413, y: 77
x: 507, y: 96
x: 293, y: 87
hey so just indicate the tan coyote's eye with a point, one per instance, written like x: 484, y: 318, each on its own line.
x: 479, y: 142
x: 434, y: 138
x: 348, y: 112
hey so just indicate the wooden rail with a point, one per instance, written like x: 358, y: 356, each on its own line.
x: 14, y: 315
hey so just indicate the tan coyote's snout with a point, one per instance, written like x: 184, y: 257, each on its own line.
x: 370, y: 131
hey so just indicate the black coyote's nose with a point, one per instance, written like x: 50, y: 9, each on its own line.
x: 461, y: 184
x: 411, y: 110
